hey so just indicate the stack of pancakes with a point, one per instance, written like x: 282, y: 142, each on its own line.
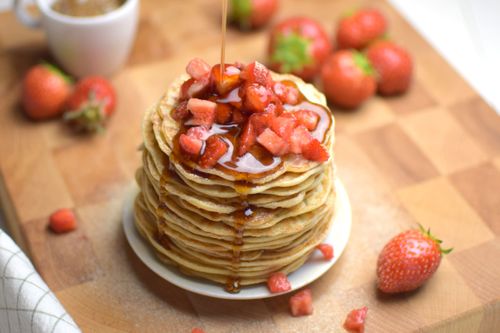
x: 213, y: 225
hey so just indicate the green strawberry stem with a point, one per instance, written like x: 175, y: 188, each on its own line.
x: 438, y: 241
x: 363, y: 63
x: 240, y: 12
x: 292, y: 52
x: 89, y: 117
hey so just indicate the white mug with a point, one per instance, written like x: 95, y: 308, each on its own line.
x: 86, y: 45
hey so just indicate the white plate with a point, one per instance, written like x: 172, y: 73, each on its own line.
x: 314, y: 267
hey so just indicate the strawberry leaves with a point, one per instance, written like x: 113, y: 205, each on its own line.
x: 292, y: 52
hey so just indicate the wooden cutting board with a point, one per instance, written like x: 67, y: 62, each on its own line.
x: 431, y: 156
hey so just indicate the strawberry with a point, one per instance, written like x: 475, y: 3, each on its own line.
x: 91, y: 104
x: 62, y: 221
x: 190, y: 144
x: 197, y: 330
x: 198, y: 69
x: 261, y: 121
x: 298, y: 45
x: 203, y: 112
x: 215, y: 149
x: 194, y: 88
x: 180, y: 112
x: 314, y: 151
x: 393, y: 65
x: 326, y: 250
x: 228, y: 81
x: 238, y: 117
x: 286, y: 94
x: 360, y: 28
x: 45, y: 91
x: 355, y: 320
x: 223, y: 113
x: 301, y: 303
x: 198, y: 132
x: 247, y: 139
x: 278, y: 283
x: 257, y: 73
x: 408, y: 260
x: 283, y: 126
x: 299, y: 138
x: 307, y: 118
x: 273, y: 142
x: 252, y: 14
x: 348, y: 79
x: 257, y: 97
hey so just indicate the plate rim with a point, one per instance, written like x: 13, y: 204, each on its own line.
x: 143, y: 250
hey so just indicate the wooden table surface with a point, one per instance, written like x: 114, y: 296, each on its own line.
x: 431, y: 156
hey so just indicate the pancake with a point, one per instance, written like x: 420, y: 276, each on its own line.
x: 232, y: 228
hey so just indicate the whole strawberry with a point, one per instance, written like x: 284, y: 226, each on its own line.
x: 45, y: 90
x: 91, y: 103
x: 348, y: 79
x: 408, y: 261
x: 393, y: 65
x: 252, y: 14
x: 360, y: 28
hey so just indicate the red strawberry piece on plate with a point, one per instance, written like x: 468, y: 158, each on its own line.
x: 223, y: 113
x: 307, y: 118
x: 62, y: 220
x: 198, y: 68
x: 257, y: 97
x: 326, y: 250
x: 257, y: 73
x: 181, y: 111
x: 278, y: 283
x: 261, y: 121
x: 227, y: 82
x: 283, y: 126
x: 203, y: 112
x: 273, y: 142
x: 301, y: 303
x: 314, y: 151
x: 408, y: 260
x: 286, y: 94
x: 247, y: 139
x: 355, y: 320
x: 190, y: 144
x: 360, y: 28
x: 300, y: 137
x: 214, y: 150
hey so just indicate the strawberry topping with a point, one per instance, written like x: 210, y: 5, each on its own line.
x: 299, y: 138
x: 190, y: 144
x: 198, y: 69
x: 314, y: 151
x: 301, y: 303
x: 203, y: 112
x: 283, y: 126
x: 278, y: 283
x: 215, y: 149
x: 273, y: 142
x: 181, y: 111
x: 307, y: 118
x: 247, y: 139
x: 257, y: 97
x: 223, y: 113
x: 257, y: 73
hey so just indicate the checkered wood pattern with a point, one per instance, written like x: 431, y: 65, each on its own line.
x: 430, y: 157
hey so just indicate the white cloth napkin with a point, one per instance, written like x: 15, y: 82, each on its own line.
x: 26, y: 303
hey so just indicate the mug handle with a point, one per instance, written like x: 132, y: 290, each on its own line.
x: 26, y: 18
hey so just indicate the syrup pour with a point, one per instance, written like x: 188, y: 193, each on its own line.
x: 223, y: 40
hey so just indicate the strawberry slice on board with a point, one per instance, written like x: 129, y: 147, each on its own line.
x: 273, y: 142
x: 301, y: 303
x: 62, y: 221
x: 307, y: 118
x: 355, y: 320
x: 203, y: 112
x: 198, y: 69
x: 278, y: 283
x: 214, y: 150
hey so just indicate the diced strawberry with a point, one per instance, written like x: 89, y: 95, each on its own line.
x: 273, y: 142
x: 223, y: 113
x: 257, y: 97
x: 261, y: 121
x: 247, y: 139
x: 307, y: 118
x: 287, y: 94
x: 203, y: 112
x: 299, y: 138
x: 257, y: 73
x: 326, y: 250
x: 355, y: 320
x: 301, y: 303
x: 197, y: 330
x: 278, y: 283
x: 198, y: 132
x: 194, y: 88
x: 230, y: 80
x: 314, y: 151
x: 62, y: 221
x: 190, y: 144
x: 198, y: 68
x: 186, y: 85
x: 215, y: 149
x: 181, y: 111
x: 275, y: 107
x: 238, y: 117
x: 283, y: 126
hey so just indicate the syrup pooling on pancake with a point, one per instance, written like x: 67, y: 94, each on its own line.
x: 239, y: 214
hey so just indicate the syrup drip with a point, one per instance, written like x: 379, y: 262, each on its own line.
x: 223, y: 40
